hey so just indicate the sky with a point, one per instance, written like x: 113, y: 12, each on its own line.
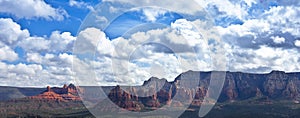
x: 125, y: 42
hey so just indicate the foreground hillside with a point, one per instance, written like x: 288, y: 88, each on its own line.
x: 244, y: 109
x: 50, y: 102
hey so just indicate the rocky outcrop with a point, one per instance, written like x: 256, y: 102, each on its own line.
x: 124, y: 99
x: 237, y: 86
x: 188, y: 88
x: 66, y: 93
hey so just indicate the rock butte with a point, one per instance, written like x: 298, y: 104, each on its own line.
x: 66, y: 93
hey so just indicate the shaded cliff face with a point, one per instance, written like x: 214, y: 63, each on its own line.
x: 237, y: 86
x: 274, y: 85
x: 241, y: 86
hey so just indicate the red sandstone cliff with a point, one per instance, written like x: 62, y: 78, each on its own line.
x: 66, y: 93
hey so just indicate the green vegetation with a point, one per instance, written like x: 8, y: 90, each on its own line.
x: 259, y: 108
x: 35, y: 108
x: 248, y: 109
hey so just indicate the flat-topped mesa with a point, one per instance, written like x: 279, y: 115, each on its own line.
x: 277, y: 71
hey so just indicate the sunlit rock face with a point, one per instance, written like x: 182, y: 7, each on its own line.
x: 66, y: 93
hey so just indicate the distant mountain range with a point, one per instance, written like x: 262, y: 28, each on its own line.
x: 190, y: 86
x: 238, y: 86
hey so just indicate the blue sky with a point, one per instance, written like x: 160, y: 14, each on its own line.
x: 37, y: 39
x: 69, y: 24
x: 121, y: 24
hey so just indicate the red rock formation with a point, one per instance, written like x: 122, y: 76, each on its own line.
x: 176, y: 104
x: 65, y: 86
x: 200, y: 93
x: 67, y: 93
x: 196, y: 102
x: 124, y: 99
x: 237, y: 86
x: 152, y: 100
x: 258, y: 93
x: 184, y: 95
x: 49, y: 95
x: 48, y: 88
x: 134, y: 94
x: 169, y: 96
x: 152, y: 103
x: 231, y: 94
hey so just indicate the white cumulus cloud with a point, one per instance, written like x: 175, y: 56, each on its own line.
x: 81, y: 4
x: 11, y: 32
x: 297, y: 43
x: 7, y: 53
x: 30, y: 9
x: 278, y: 39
